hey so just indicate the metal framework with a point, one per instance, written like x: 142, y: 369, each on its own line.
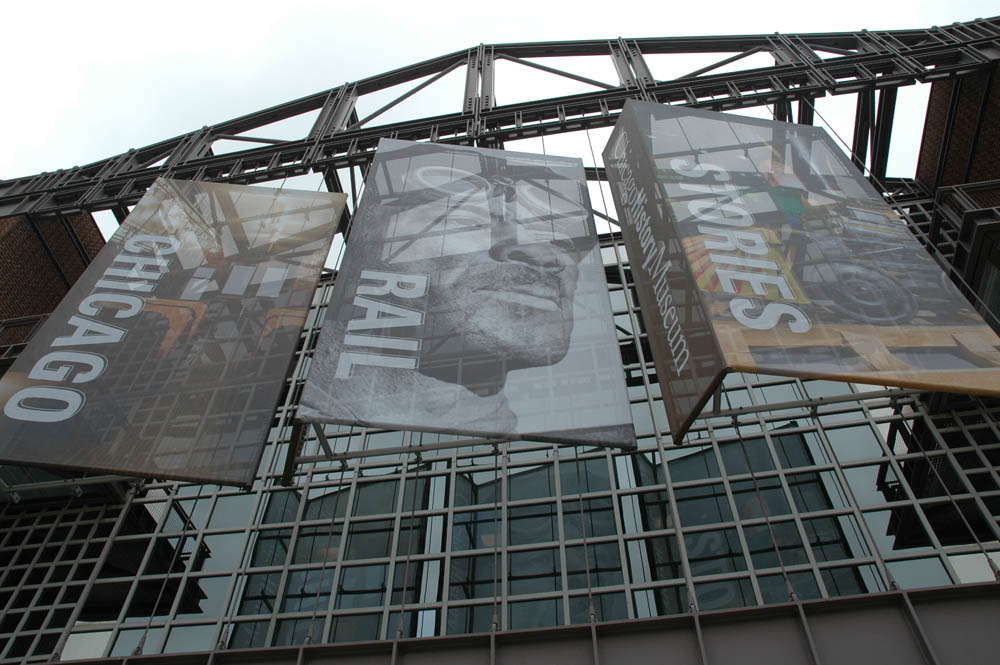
x: 872, y: 65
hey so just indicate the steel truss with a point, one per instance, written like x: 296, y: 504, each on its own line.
x: 873, y: 65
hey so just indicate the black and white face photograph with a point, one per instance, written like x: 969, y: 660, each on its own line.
x: 472, y: 300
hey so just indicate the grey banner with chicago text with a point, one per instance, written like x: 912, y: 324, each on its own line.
x: 472, y: 301
x: 167, y: 357
x: 757, y: 246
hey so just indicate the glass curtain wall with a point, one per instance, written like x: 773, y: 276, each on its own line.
x: 786, y: 500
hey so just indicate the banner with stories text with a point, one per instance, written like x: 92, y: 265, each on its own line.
x: 757, y: 246
x: 472, y: 301
x: 167, y: 357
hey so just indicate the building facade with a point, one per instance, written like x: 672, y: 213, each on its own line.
x: 800, y: 521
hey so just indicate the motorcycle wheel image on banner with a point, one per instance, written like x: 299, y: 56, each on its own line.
x: 472, y: 301
x: 759, y: 247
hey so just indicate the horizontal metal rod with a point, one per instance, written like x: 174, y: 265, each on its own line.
x: 248, y: 139
x: 406, y: 95
x: 69, y: 482
x: 461, y: 443
x: 722, y: 63
x: 553, y: 70
x: 812, y: 403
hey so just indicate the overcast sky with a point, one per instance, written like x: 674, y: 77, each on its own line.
x: 87, y: 80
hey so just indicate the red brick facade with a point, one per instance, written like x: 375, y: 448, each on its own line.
x: 33, y: 280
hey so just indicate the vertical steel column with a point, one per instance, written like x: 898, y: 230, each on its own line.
x: 864, y: 113
x: 882, y: 132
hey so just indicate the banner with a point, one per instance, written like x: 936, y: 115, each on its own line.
x: 757, y: 246
x: 167, y: 357
x: 472, y: 300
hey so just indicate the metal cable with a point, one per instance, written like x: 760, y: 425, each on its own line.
x: 329, y: 539
x: 173, y: 561
x: 497, y: 491
x: 409, y: 546
x: 766, y: 514
x: 591, y: 612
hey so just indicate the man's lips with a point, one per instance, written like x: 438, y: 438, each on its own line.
x: 548, y: 303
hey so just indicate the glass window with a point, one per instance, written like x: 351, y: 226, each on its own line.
x: 128, y: 640
x: 307, y: 590
x: 248, y: 635
x: 85, y: 645
x: 418, y: 492
x: 598, y: 518
x: 714, y: 552
x: 412, y: 578
x: 295, y: 631
x: 952, y: 526
x: 475, y: 487
x: 470, y: 619
x: 191, y: 638
x: 918, y: 573
x: 533, y: 524
x: 474, y: 530
x: 852, y: 580
x: 531, y: 482
x: 854, y: 443
x: 737, y: 454
x: 705, y: 504
x: 219, y: 552
x: 271, y: 547
x: 232, y: 512
x: 897, y: 530
x: 583, y: 476
x: 652, y: 510
x: 536, y: 613
x: 535, y: 571
x: 833, y: 538
x: 874, y: 485
x: 607, y: 607
x: 325, y: 502
x: 317, y: 544
x: 259, y: 593
x: 761, y: 540
x: 774, y: 589
x: 376, y: 498
x: 282, y: 506
x: 204, y: 597
x: 799, y: 449
x: 670, y: 600
x: 473, y: 576
x: 656, y: 558
x: 369, y: 540
x: 692, y: 463
x: 355, y: 628
x: 603, y: 562
x: 817, y: 490
x: 765, y: 499
x: 721, y: 595
x: 413, y: 535
x: 361, y: 586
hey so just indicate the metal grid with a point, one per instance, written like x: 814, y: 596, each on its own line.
x: 837, y: 489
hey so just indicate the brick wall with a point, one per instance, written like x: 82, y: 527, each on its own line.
x: 966, y: 156
x: 33, y: 280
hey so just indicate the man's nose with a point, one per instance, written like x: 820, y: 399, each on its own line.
x: 539, y: 255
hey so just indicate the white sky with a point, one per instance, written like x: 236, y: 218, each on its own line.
x: 87, y: 80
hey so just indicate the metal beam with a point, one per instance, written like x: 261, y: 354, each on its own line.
x: 870, y: 60
x: 882, y: 133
